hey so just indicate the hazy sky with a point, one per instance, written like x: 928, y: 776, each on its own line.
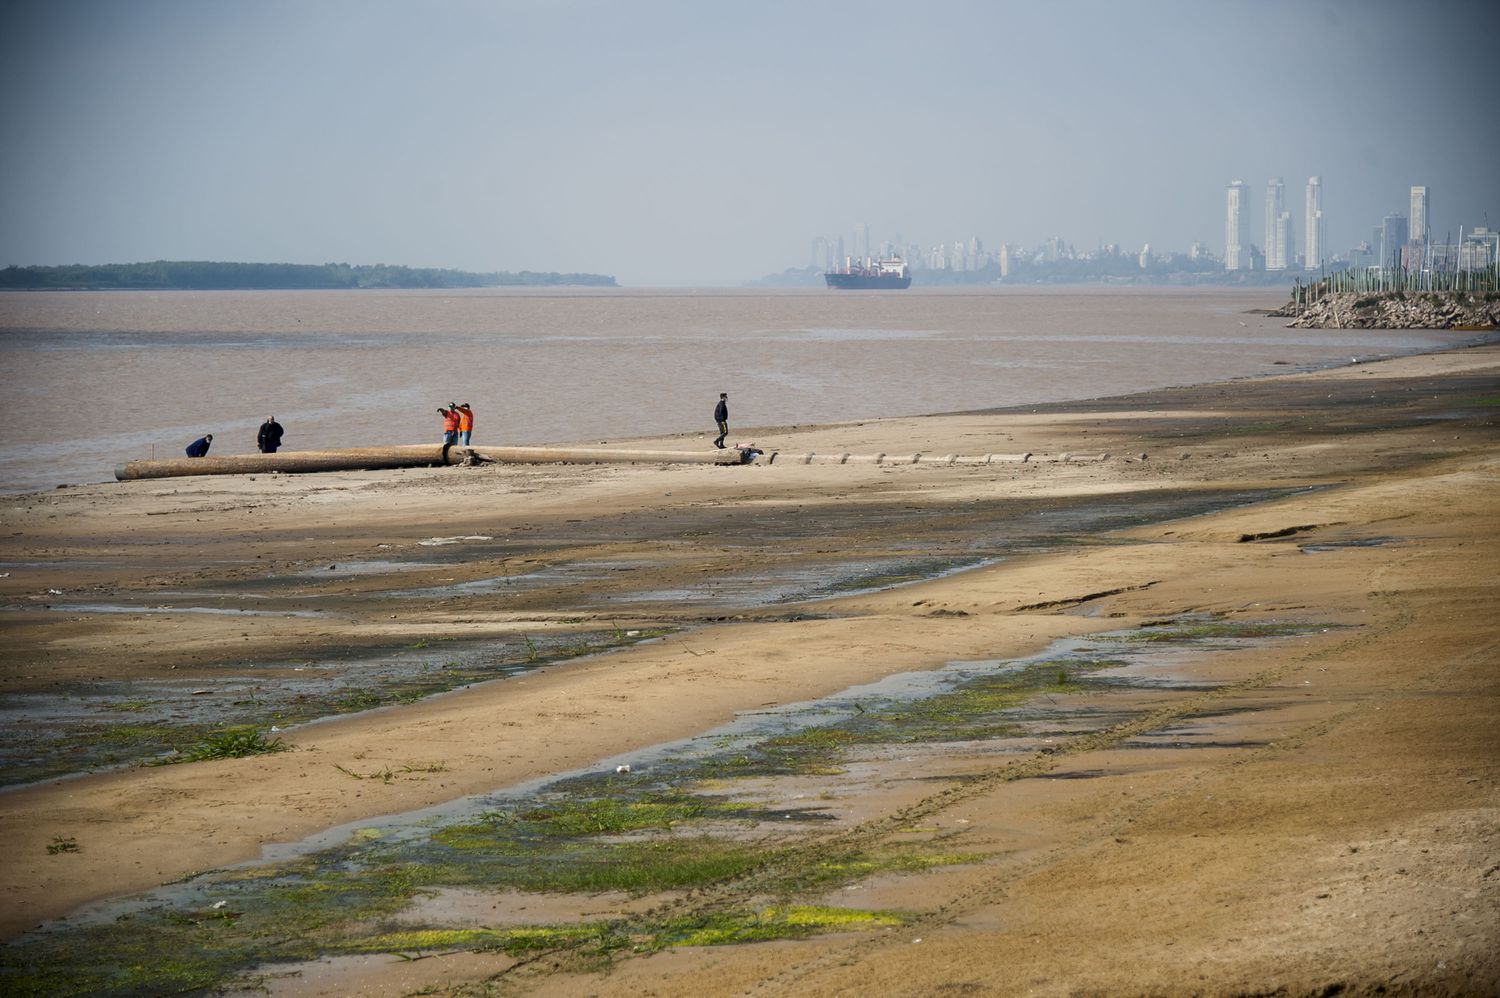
x: 707, y: 142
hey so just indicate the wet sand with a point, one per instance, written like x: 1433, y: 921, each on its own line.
x: 1337, y: 828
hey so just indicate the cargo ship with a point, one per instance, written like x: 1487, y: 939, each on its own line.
x: 871, y: 275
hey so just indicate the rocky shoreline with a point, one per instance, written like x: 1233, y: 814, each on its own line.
x: 1395, y: 310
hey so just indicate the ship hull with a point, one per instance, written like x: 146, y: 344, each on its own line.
x: 868, y: 282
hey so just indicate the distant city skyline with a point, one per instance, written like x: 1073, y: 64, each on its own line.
x: 1395, y: 242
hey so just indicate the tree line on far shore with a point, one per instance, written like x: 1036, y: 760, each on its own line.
x: 195, y: 275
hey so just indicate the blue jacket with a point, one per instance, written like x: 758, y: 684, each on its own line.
x: 198, y: 448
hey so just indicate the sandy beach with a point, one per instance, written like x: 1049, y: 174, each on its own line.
x: 1313, y: 813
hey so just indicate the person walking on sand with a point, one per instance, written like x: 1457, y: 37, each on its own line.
x: 199, y: 447
x: 721, y: 417
x: 450, y: 426
x: 465, y: 422
x: 269, y: 437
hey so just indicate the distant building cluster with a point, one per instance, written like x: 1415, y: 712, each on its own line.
x: 1400, y: 242
x: 968, y: 260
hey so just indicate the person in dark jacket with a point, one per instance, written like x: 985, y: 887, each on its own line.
x: 199, y: 447
x: 721, y: 416
x: 269, y: 437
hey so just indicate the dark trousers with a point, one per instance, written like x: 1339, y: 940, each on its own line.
x: 723, y: 432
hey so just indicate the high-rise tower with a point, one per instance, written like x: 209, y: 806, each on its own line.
x: 1419, y: 214
x: 1276, y: 254
x: 1393, y: 232
x: 1284, y: 244
x: 1416, y: 249
x: 1312, y: 225
x: 1236, y: 224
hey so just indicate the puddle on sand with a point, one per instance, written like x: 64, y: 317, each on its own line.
x: 1355, y: 542
x: 806, y: 583
x: 569, y: 573
x: 797, y: 583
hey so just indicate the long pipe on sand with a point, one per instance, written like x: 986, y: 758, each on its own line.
x: 414, y: 456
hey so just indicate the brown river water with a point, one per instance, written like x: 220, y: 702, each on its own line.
x: 93, y: 379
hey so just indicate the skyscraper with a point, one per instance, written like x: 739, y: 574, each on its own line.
x: 1276, y: 255
x: 1312, y: 225
x: 1392, y: 239
x: 1416, y: 251
x: 1283, y: 245
x: 1419, y: 214
x: 1236, y: 222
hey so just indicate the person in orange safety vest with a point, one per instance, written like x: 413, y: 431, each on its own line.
x: 465, y: 421
x: 450, y: 426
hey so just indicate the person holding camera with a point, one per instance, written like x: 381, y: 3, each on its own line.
x: 450, y: 426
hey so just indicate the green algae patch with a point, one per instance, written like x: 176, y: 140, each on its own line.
x: 980, y: 708
x: 852, y: 868
x: 114, y: 741
x: 551, y: 821
x: 770, y: 924
x: 159, y: 951
x: 573, y: 817
x: 984, y: 706
x: 825, y: 871
x: 596, y: 942
x: 514, y: 942
x: 589, y: 866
